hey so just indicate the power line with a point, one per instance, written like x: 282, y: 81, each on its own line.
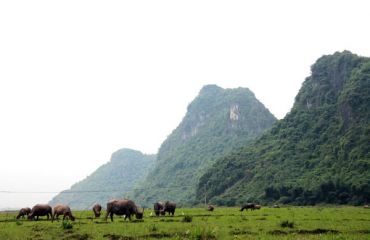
x: 91, y: 191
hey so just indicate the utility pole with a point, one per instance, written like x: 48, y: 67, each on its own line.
x: 205, y: 195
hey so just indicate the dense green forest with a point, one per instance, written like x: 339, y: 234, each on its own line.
x: 319, y: 153
x: 114, y: 179
x: 217, y: 121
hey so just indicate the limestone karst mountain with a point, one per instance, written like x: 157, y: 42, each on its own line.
x: 114, y: 179
x: 319, y: 153
x: 217, y: 121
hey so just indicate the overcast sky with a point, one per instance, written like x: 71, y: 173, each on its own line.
x: 81, y: 79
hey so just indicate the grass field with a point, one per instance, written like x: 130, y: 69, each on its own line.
x: 197, y: 223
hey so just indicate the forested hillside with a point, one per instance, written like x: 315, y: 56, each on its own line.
x: 216, y: 122
x: 114, y: 179
x: 319, y: 153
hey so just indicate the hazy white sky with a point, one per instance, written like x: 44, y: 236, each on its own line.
x: 81, y: 79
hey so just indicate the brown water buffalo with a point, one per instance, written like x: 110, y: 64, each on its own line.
x: 169, y: 207
x: 247, y: 206
x: 62, y: 210
x: 158, y: 207
x: 24, y: 212
x: 210, y: 208
x: 97, y: 210
x: 40, y: 210
x: 123, y: 207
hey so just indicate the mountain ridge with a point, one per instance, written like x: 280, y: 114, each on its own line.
x: 317, y: 153
x: 217, y: 120
x: 114, y: 179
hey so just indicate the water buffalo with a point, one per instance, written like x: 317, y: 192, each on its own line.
x: 123, y: 207
x: 40, y: 210
x: 97, y: 210
x: 210, y: 208
x: 24, y: 212
x: 169, y: 207
x: 62, y: 210
x: 247, y: 206
x: 158, y: 207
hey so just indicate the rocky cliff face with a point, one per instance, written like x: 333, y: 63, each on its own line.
x: 216, y: 122
x: 318, y: 153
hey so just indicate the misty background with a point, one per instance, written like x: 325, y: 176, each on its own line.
x: 81, y: 79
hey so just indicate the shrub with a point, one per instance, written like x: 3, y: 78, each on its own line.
x: 67, y: 225
x: 187, y: 218
x: 153, y: 228
x: 203, y: 234
x: 287, y: 223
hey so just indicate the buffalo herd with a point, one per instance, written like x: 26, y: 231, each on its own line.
x: 120, y: 207
x: 251, y: 206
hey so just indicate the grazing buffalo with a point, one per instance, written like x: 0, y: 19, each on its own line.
x: 123, y: 207
x: 257, y: 206
x: 158, y: 207
x: 210, y: 208
x: 24, y: 212
x: 97, y: 210
x: 169, y: 207
x: 40, y: 210
x: 247, y: 206
x: 62, y: 210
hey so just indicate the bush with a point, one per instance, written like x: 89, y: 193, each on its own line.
x: 153, y: 228
x: 187, y: 218
x: 203, y: 233
x: 67, y: 225
x: 286, y: 223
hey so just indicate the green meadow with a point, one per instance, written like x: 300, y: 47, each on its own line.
x: 197, y: 223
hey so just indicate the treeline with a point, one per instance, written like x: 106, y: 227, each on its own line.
x: 327, y: 192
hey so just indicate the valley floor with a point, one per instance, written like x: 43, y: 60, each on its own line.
x: 197, y: 223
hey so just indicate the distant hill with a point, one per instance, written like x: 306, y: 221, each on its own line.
x: 114, y: 179
x: 319, y: 153
x: 217, y: 121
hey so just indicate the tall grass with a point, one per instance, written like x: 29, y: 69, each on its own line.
x: 223, y: 223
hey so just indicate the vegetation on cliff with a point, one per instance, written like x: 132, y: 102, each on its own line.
x: 217, y: 121
x: 319, y: 153
x: 114, y: 179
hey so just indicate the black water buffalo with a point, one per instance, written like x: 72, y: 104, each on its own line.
x: 169, y: 207
x: 210, y: 208
x: 247, y: 206
x: 40, y: 210
x: 24, y: 212
x: 123, y: 207
x: 158, y: 207
x: 97, y: 210
x: 62, y: 210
